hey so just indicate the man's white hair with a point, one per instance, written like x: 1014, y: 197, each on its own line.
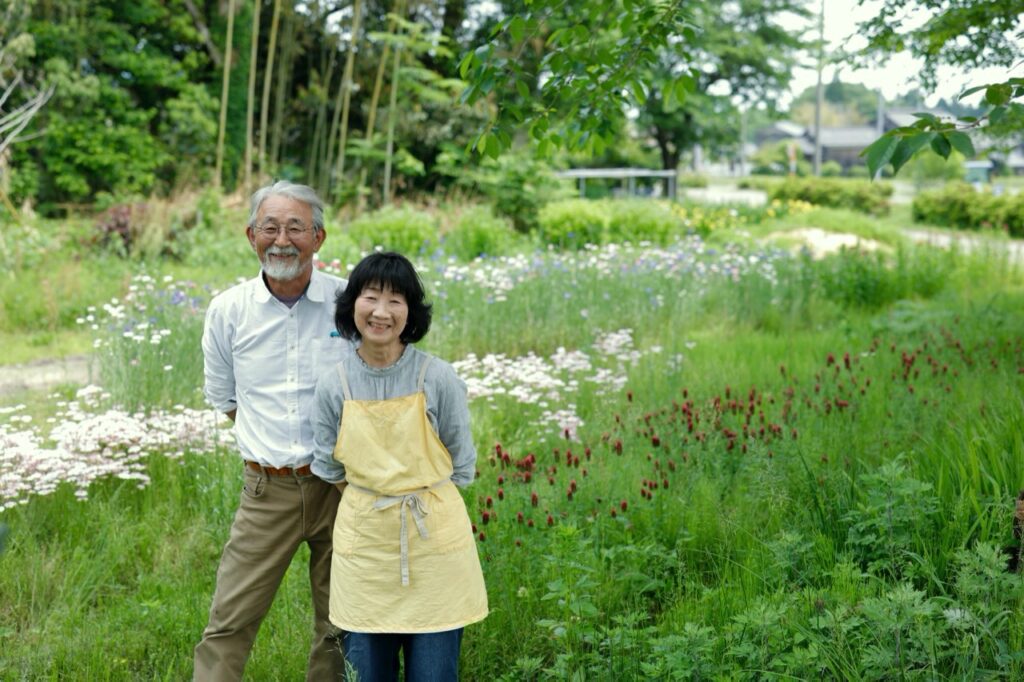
x: 283, y: 188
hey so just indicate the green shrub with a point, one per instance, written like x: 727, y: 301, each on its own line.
x: 403, y: 229
x: 960, y: 206
x: 692, y: 180
x: 831, y: 169
x: 640, y: 220
x: 479, y: 232
x: 573, y: 223
x: 857, y: 195
x: 518, y: 185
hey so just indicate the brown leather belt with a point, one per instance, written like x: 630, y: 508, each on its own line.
x: 283, y: 471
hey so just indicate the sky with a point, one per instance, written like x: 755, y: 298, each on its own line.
x: 897, y: 75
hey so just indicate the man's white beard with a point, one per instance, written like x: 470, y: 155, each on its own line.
x: 284, y: 271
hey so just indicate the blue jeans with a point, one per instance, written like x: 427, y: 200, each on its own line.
x: 429, y: 657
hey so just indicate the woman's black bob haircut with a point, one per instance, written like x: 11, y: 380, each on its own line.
x: 385, y: 270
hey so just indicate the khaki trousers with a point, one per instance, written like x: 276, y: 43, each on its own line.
x: 276, y: 514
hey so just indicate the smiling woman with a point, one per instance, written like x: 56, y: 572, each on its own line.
x: 392, y: 430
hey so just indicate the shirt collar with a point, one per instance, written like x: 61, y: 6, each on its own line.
x: 316, y: 291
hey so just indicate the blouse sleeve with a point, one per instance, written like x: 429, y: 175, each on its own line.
x: 453, y: 424
x: 327, y: 406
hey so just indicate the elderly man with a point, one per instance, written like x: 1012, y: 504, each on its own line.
x: 265, y: 343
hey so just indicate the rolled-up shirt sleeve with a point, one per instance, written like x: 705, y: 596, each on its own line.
x: 453, y: 425
x: 327, y: 405
x: 218, y: 364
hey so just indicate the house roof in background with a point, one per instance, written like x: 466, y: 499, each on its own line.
x: 900, y: 118
x: 852, y: 136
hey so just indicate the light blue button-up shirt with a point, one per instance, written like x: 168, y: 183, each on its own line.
x: 263, y: 359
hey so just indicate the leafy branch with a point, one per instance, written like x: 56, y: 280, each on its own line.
x: 598, y: 61
x: 943, y: 135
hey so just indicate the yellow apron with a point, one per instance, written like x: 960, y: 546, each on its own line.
x: 405, y: 559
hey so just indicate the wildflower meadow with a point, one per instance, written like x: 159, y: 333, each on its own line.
x: 696, y: 461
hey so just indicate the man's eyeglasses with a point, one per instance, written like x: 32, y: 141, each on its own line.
x: 294, y: 230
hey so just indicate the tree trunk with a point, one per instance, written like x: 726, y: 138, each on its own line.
x: 222, y: 124
x: 316, y: 166
x: 268, y: 76
x: 283, y: 80
x: 250, y: 97
x: 371, y: 119
x: 392, y: 105
x: 346, y: 89
x: 204, y: 32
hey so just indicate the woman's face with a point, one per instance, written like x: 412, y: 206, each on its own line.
x: 381, y: 315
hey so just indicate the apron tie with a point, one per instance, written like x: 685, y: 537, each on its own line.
x: 413, y: 503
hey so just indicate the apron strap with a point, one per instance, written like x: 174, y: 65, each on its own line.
x: 423, y: 372
x: 344, y: 381
x: 413, y: 503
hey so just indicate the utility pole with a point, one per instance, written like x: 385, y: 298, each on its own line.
x: 820, y: 99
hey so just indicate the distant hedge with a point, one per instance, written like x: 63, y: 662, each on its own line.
x: 960, y: 206
x: 857, y: 195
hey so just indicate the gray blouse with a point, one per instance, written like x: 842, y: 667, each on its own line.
x: 447, y: 407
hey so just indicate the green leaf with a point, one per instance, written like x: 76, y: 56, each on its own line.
x: 907, y: 147
x: 941, y: 145
x: 997, y: 115
x: 668, y: 99
x: 639, y: 93
x: 962, y: 143
x: 878, y: 153
x: 523, y: 89
x: 466, y: 64
x: 998, y: 94
x: 493, y: 146
x: 971, y: 91
x: 517, y: 28
x: 481, y: 142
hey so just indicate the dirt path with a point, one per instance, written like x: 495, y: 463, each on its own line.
x: 43, y: 374
x: 968, y: 241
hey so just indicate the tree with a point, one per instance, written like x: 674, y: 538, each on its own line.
x: 226, y: 81
x: 268, y: 77
x: 598, y: 59
x: 130, y: 83
x: 345, y: 92
x: 732, y: 74
x: 250, y: 96
x: 991, y: 27
x: 20, y: 98
x: 846, y: 104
